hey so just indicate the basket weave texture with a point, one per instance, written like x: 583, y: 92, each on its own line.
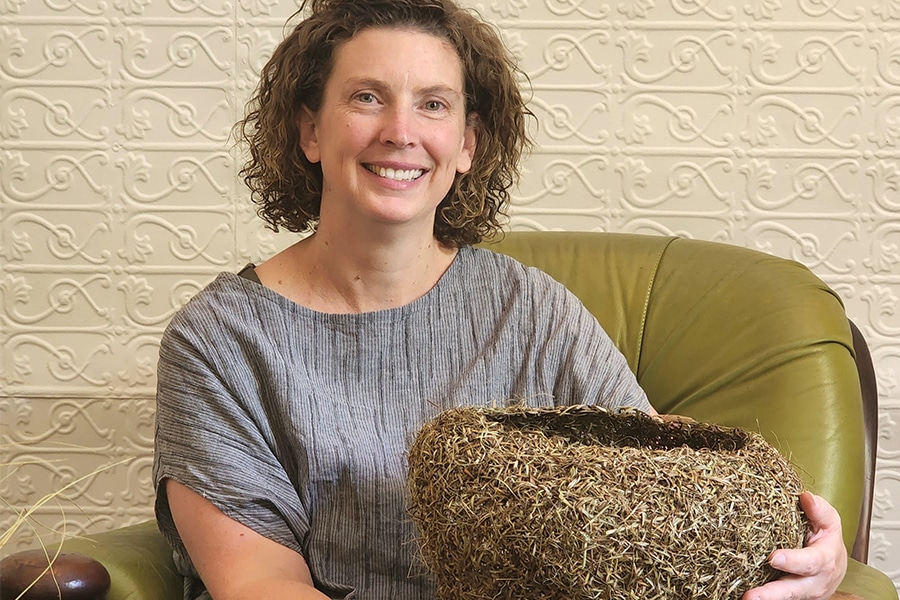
x: 579, y: 502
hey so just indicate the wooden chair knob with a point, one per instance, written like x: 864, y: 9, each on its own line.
x: 73, y: 577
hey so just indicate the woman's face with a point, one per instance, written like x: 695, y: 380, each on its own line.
x: 392, y: 131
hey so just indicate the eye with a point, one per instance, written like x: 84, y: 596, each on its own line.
x: 366, y: 97
x: 434, y: 105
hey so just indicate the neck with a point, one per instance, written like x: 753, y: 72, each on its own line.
x: 352, y: 274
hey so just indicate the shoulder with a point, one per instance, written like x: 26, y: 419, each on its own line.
x: 225, y: 305
x: 507, y: 272
x: 220, y: 292
x: 486, y: 260
x: 490, y: 286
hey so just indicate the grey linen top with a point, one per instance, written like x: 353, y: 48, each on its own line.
x: 297, y: 423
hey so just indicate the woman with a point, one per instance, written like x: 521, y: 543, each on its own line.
x: 390, y: 129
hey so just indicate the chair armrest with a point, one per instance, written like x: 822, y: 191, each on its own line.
x: 140, y: 565
x: 137, y: 559
x: 867, y: 582
x: 28, y: 575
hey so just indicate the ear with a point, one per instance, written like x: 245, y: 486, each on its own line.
x: 470, y: 142
x: 309, y: 140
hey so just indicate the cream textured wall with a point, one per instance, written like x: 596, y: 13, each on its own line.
x: 771, y: 124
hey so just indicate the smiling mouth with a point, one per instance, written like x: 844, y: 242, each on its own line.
x: 395, y: 174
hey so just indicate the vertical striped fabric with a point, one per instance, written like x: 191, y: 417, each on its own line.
x: 297, y: 423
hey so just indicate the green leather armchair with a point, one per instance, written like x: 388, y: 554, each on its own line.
x: 714, y: 332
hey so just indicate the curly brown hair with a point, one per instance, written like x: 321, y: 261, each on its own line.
x: 288, y: 188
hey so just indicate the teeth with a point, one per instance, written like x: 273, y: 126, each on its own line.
x: 396, y: 175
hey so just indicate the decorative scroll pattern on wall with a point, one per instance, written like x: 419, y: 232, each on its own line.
x: 771, y: 124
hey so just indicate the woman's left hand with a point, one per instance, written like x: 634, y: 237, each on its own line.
x: 815, y: 571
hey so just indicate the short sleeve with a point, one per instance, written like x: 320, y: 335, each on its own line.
x: 213, y: 437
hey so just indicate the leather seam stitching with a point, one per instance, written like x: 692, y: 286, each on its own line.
x: 646, y: 308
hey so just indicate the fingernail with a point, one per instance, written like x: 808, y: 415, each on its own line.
x: 777, y: 562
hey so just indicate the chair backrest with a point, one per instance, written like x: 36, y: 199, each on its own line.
x: 728, y: 335
x: 869, y: 388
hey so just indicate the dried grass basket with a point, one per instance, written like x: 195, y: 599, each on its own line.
x: 580, y: 502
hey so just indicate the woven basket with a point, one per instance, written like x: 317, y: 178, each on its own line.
x: 580, y: 502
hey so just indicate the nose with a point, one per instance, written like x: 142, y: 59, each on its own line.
x: 398, y: 128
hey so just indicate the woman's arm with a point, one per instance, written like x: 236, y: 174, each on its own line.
x: 235, y: 562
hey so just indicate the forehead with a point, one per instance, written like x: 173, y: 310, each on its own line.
x: 390, y: 53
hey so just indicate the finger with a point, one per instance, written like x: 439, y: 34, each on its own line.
x: 780, y: 588
x: 788, y: 587
x: 820, y: 513
x: 805, y: 562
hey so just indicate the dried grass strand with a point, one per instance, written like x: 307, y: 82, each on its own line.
x: 24, y: 517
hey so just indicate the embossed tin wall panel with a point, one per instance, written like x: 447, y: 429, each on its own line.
x: 771, y: 124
